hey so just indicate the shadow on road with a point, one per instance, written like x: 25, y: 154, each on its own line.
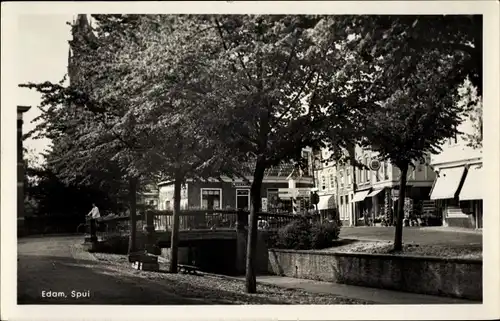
x: 101, y: 283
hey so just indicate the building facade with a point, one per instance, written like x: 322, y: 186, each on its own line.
x: 325, y: 181
x: 361, y: 195
x: 149, y: 195
x: 457, y: 189
x: 235, y: 193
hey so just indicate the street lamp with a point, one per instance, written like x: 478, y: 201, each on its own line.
x: 20, y: 166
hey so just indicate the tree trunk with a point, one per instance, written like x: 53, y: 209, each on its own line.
x: 250, y: 279
x: 398, y: 237
x: 174, y: 241
x: 132, y: 198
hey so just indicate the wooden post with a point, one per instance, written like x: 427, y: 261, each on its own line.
x: 93, y: 231
x: 150, y: 233
x: 241, y: 240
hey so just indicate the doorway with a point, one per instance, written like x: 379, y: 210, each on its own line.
x: 243, y: 199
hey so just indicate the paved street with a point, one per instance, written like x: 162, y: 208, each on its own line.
x: 59, y: 265
x: 52, y: 264
x: 422, y: 236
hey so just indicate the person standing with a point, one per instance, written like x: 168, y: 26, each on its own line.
x: 94, y: 212
x: 93, y: 215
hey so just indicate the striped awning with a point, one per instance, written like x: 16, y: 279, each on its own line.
x: 472, y: 188
x: 326, y: 202
x: 374, y: 192
x: 447, y: 183
x: 360, y: 196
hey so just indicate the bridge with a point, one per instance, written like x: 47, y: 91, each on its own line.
x: 214, y: 240
x: 194, y: 225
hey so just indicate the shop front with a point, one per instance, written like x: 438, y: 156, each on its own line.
x: 361, y: 207
x: 458, y: 192
x: 471, y: 195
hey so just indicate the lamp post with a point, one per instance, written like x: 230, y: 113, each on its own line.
x: 20, y: 167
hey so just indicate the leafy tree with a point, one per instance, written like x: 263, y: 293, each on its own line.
x: 421, y: 111
x: 94, y: 140
x: 417, y: 64
x: 166, y: 86
x: 473, y: 106
x: 282, y: 85
x: 402, y: 38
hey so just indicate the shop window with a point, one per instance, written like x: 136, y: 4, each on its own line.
x: 273, y: 203
x: 211, y: 198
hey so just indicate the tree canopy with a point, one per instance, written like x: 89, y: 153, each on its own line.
x: 185, y: 96
x: 419, y: 63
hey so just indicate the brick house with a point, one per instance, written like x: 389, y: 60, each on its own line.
x: 235, y: 194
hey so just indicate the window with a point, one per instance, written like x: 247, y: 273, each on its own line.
x: 349, y: 180
x: 167, y: 205
x: 384, y: 168
x: 361, y: 173
x: 211, y: 198
x: 341, y: 178
x: 323, y: 182
x: 341, y: 209
x: 367, y: 171
x: 332, y: 180
x: 151, y: 202
x: 243, y: 199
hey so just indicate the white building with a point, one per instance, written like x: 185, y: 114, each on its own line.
x: 354, y: 191
x: 458, y: 186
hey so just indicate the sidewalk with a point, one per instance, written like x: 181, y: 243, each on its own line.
x: 453, y: 229
x: 379, y: 296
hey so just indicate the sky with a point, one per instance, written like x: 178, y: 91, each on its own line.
x: 42, y: 56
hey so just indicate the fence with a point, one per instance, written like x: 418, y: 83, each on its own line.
x: 188, y: 220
